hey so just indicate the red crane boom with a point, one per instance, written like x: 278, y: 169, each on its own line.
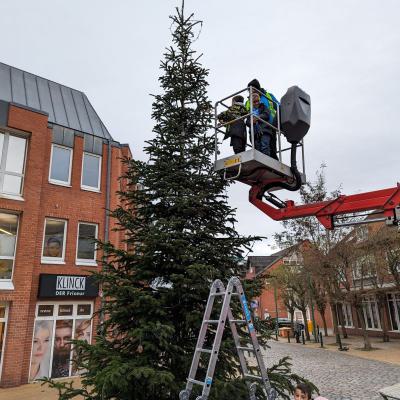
x: 387, y: 201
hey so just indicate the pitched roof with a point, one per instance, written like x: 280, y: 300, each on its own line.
x: 262, y: 263
x: 65, y: 106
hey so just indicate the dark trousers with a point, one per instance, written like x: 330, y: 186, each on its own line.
x: 272, y: 145
x: 263, y: 143
x: 238, y: 144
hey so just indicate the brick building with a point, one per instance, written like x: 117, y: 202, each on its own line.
x: 367, y: 277
x: 270, y: 303
x: 59, y: 169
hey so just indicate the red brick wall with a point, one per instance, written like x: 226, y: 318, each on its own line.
x: 267, y: 302
x: 43, y: 199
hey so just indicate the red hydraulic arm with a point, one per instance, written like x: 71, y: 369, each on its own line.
x: 386, y: 200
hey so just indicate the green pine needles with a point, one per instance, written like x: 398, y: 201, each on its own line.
x: 180, y: 237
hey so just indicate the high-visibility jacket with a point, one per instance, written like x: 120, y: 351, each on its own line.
x: 270, y: 101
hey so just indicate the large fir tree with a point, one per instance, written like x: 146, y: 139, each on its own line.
x: 180, y: 237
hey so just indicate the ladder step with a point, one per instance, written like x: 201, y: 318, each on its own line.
x: 211, y: 321
x: 238, y: 321
x: 196, y: 382
x: 204, y: 350
x: 218, y: 294
x: 246, y: 348
x: 249, y: 376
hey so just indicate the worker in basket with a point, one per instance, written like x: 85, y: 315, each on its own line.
x: 236, y: 130
x: 262, y: 131
x: 271, y: 103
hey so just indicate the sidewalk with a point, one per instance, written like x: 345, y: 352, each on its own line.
x: 382, y: 351
x: 31, y: 391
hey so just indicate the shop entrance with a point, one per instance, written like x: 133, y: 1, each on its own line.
x: 56, y: 324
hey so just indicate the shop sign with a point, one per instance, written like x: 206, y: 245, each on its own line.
x: 70, y: 286
x: 45, y: 310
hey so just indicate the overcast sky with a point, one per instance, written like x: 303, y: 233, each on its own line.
x: 344, y: 53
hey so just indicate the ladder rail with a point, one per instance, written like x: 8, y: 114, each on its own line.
x: 217, y: 286
x: 233, y: 288
x: 253, y: 335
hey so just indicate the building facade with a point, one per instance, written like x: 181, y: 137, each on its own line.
x: 59, y: 170
x: 369, y: 284
x: 270, y: 303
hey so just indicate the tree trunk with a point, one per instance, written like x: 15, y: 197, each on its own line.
x: 324, y: 322
x: 291, y: 320
x: 367, y: 342
x: 304, y: 312
x: 334, y: 318
x: 342, y: 322
x: 381, y: 306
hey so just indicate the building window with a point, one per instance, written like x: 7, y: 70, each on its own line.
x: 364, y: 268
x: 8, y: 239
x: 91, y: 172
x: 3, y: 330
x: 86, y: 248
x: 56, y: 324
x: 394, y: 310
x: 344, y: 315
x: 54, y: 241
x: 60, y: 165
x: 371, y: 313
x: 12, y: 164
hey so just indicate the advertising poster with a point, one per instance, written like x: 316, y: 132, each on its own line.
x: 83, y: 331
x: 62, y: 348
x: 41, y: 349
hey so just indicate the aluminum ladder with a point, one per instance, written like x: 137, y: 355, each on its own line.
x: 234, y: 288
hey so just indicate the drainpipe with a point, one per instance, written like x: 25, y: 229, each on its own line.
x: 107, y: 221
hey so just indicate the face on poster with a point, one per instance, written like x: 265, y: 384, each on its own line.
x: 83, y: 331
x: 41, y: 350
x: 62, y: 348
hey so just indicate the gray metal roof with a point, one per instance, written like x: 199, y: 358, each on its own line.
x: 65, y: 106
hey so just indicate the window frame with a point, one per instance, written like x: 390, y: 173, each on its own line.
x: 5, y: 320
x: 82, y: 261
x: 7, y: 284
x: 367, y: 305
x: 3, y: 171
x: 55, y: 317
x: 395, y: 298
x: 54, y: 260
x: 346, y: 313
x: 56, y: 181
x: 91, y: 188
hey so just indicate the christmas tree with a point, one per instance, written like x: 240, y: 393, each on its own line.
x: 180, y: 237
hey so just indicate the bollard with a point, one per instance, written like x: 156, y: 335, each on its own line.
x: 302, y: 337
x: 288, y: 336
x: 339, y: 341
x: 318, y: 334
x: 321, y: 341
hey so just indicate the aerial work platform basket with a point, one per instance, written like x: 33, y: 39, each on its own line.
x: 251, y: 166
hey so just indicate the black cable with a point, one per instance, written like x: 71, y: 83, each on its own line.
x: 295, y: 172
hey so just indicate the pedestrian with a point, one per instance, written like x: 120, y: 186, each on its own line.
x: 262, y: 132
x: 235, y: 130
x: 271, y: 103
x: 297, y: 331
x: 302, y: 392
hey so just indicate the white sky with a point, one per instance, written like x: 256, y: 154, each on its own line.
x: 344, y: 53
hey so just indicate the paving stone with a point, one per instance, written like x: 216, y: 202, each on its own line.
x: 337, y: 375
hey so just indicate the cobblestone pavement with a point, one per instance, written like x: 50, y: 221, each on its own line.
x: 337, y: 375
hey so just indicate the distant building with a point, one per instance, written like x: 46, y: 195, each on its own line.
x: 270, y: 303
x: 368, y: 277
x: 59, y: 169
